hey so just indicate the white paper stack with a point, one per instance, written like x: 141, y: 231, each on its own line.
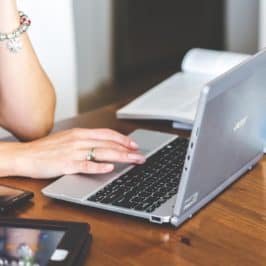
x: 177, y: 97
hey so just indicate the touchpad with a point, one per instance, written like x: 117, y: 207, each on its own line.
x: 149, y: 141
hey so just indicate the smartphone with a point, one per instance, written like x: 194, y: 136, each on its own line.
x: 11, y: 197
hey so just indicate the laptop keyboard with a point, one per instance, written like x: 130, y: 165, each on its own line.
x: 146, y: 187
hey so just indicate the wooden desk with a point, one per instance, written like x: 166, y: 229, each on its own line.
x: 231, y: 230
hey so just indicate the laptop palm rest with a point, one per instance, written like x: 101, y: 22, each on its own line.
x: 79, y: 187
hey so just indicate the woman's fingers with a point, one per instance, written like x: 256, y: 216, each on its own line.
x: 88, y: 167
x: 92, y: 143
x: 103, y: 134
x: 112, y: 155
x: 106, y: 155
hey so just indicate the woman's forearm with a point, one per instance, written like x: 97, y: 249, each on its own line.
x: 9, y: 15
x: 27, y: 98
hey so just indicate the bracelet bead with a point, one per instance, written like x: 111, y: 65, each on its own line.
x: 13, y: 42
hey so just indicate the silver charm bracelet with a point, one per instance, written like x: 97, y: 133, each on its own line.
x: 13, y: 42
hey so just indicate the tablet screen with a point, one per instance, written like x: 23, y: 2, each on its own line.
x: 27, y: 247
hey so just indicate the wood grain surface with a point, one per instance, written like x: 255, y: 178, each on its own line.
x: 231, y: 230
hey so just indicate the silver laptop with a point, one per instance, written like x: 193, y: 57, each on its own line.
x: 180, y: 176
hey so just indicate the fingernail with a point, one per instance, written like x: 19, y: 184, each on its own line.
x: 134, y: 145
x: 136, y: 157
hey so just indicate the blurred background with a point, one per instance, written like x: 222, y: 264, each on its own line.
x: 99, y: 51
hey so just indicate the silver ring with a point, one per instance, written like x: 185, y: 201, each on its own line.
x: 91, y: 156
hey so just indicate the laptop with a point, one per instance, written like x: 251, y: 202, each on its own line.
x: 182, y: 175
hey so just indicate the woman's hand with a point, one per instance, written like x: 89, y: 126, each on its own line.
x: 65, y: 153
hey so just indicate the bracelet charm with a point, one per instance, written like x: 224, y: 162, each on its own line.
x: 13, y: 42
x: 14, y: 45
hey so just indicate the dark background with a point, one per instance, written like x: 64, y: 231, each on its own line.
x: 154, y: 35
x: 149, y: 40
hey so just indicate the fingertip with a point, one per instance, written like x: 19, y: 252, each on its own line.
x: 141, y: 161
x: 108, y: 168
x: 133, y: 145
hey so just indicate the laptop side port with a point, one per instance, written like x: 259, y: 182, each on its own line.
x: 156, y: 219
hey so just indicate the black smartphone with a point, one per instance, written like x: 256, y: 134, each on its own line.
x: 11, y: 197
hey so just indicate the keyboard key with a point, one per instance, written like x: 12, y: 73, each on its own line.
x: 142, y: 206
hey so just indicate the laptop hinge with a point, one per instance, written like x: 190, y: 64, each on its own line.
x: 174, y: 220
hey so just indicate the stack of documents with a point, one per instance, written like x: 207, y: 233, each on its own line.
x: 177, y: 97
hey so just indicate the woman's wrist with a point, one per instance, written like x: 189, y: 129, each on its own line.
x: 10, y: 157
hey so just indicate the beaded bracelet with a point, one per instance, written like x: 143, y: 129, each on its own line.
x: 14, y: 43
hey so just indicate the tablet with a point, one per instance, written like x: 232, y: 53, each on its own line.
x: 42, y: 243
